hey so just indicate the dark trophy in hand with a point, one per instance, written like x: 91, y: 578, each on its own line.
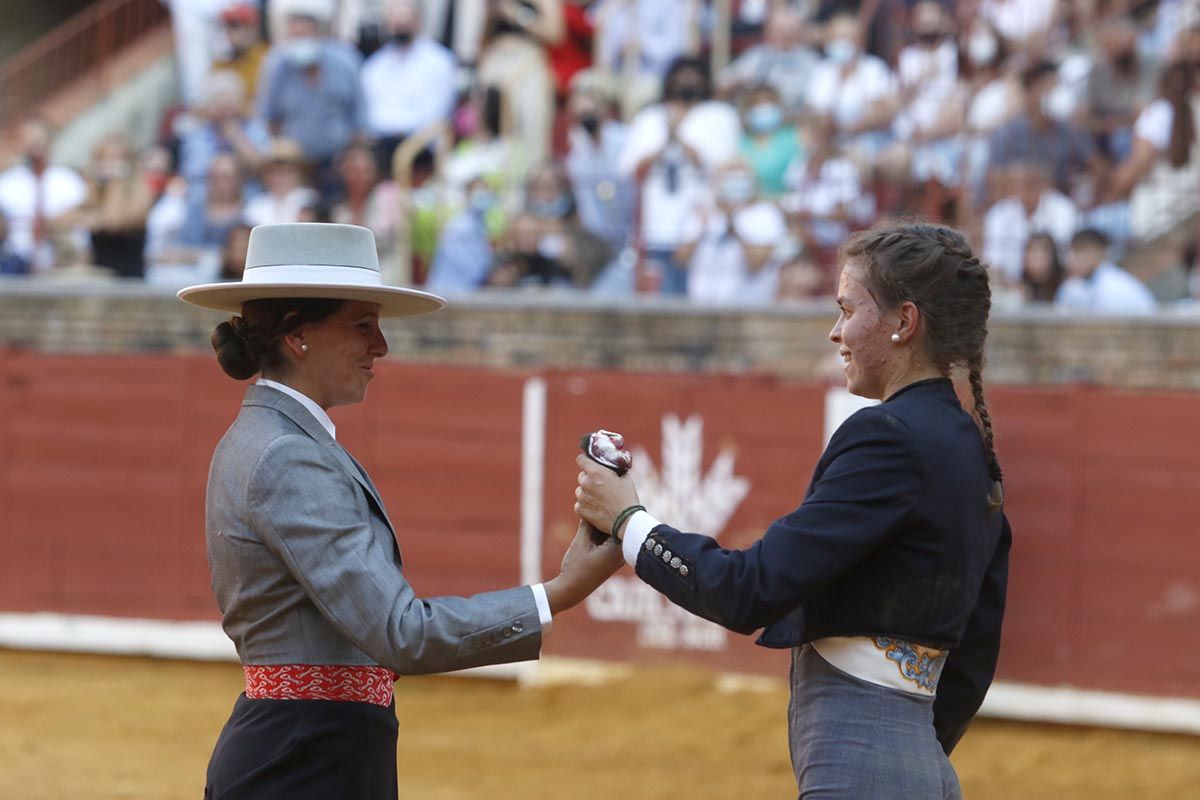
x: 607, y: 449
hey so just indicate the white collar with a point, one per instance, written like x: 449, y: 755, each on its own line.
x: 304, y: 400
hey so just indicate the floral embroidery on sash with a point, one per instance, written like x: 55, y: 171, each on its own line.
x: 917, y: 664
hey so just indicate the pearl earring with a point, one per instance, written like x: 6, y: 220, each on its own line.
x: 896, y: 338
x: 304, y: 347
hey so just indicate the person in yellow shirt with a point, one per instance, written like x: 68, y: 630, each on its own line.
x: 243, y: 30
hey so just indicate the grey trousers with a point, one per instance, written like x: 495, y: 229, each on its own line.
x: 853, y: 740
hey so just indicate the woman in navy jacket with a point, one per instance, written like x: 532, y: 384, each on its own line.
x: 889, y: 580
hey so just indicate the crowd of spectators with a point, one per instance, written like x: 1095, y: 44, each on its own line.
x: 588, y: 146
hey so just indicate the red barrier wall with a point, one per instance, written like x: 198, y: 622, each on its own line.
x: 103, y: 463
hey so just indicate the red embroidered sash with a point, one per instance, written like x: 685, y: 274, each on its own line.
x: 347, y: 684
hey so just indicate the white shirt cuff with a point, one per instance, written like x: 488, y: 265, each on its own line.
x: 543, y: 607
x: 634, y: 535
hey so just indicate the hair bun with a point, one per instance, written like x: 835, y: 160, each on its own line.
x: 232, y: 352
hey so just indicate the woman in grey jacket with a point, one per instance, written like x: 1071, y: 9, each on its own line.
x: 305, y: 563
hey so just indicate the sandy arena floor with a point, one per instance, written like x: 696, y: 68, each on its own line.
x: 95, y: 727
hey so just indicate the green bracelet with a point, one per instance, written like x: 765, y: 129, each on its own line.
x: 622, y: 518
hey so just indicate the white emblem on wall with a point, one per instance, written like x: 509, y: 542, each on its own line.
x: 682, y: 495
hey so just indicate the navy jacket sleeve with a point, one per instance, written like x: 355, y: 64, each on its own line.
x: 969, y: 668
x: 867, y: 483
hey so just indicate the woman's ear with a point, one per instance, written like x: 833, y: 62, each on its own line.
x: 909, y: 320
x: 294, y: 342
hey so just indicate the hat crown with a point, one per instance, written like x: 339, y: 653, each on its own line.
x: 318, y: 244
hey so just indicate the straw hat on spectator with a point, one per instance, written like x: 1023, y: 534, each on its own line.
x: 312, y: 259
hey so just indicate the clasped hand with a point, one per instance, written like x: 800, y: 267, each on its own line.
x: 602, y: 495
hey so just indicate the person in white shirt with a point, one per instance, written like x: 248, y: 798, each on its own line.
x: 604, y: 197
x: 855, y: 89
x: 1032, y: 205
x: 34, y: 193
x: 286, y: 196
x: 735, y: 257
x: 671, y: 149
x: 933, y: 101
x: 826, y: 195
x: 1098, y: 285
x: 409, y: 84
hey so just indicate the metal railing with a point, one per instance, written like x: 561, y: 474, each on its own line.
x: 81, y: 46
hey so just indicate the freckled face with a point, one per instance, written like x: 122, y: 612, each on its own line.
x: 863, y: 336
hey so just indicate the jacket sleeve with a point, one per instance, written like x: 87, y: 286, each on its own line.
x: 969, y: 668
x: 870, y: 483
x: 315, y: 517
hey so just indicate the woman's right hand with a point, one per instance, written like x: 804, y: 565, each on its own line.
x: 586, y: 564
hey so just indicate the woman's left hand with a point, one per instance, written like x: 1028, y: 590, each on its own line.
x: 602, y: 495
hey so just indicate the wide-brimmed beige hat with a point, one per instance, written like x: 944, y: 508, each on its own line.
x: 312, y: 259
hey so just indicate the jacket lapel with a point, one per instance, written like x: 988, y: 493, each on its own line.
x: 270, y: 398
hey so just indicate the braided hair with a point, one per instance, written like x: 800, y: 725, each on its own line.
x: 934, y: 268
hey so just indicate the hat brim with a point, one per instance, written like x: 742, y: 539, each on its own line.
x: 393, y: 301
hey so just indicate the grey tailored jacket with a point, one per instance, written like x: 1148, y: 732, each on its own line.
x: 305, y: 565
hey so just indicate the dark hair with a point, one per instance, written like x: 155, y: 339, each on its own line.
x: 684, y: 64
x: 1035, y: 72
x: 1174, y: 87
x: 249, y: 344
x: 1043, y: 290
x: 934, y: 268
x: 1090, y: 237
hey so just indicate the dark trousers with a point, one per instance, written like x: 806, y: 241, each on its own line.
x: 304, y: 750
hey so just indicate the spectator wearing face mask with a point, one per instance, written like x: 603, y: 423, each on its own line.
x: 737, y: 248
x: 595, y: 139
x: 856, y: 91
x: 408, y: 84
x: 995, y: 96
x: 771, y: 143
x: 783, y: 61
x: 826, y: 198
x: 933, y: 101
x: 310, y: 92
x: 671, y: 149
x: 561, y: 238
x: 34, y: 194
x: 463, y: 258
x: 1097, y: 285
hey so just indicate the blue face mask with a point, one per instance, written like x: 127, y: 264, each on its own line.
x: 841, y: 51
x: 303, y: 52
x: 481, y: 201
x: 764, y: 117
x: 554, y: 209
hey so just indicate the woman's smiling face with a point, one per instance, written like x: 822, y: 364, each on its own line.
x: 341, y: 352
x: 863, y: 335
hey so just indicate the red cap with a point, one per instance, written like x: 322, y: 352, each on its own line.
x: 240, y: 14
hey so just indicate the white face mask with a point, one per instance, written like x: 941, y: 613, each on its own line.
x: 303, y: 52
x: 841, y: 51
x: 982, y: 48
x: 1058, y: 103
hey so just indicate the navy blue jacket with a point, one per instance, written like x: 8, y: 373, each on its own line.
x: 894, y: 537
